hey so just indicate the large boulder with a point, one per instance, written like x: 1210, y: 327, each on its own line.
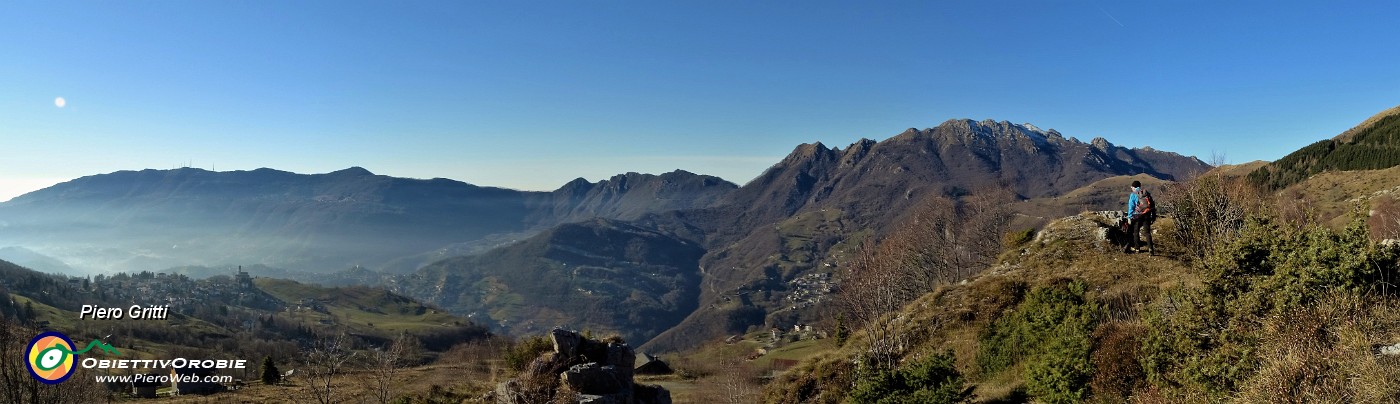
x: 592, y: 378
x: 596, y: 372
x: 565, y: 342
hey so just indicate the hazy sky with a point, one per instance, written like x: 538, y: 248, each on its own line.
x: 530, y: 94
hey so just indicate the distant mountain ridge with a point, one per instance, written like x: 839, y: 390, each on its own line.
x: 629, y: 196
x: 801, y: 215
x: 153, y: 219
x: 603, y: 275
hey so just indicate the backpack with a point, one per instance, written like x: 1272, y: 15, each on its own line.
x: 1145, y: 208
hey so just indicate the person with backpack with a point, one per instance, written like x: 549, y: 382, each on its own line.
x: 1141, y: 214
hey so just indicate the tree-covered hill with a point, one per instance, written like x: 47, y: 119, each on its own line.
x: 1371, y: 146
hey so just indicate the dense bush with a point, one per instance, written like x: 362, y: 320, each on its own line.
x: 1050, y: 333
x: 927, y: 381
x: 1208, y: 340
x: 520, y: 354
x: 1117, y: 373
x: 1018, y: 238
x: 822, y: 381
x: 1271, y: 268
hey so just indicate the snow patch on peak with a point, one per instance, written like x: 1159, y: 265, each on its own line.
x: 1034, y: 133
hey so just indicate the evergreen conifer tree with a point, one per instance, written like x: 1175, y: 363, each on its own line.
x: 270, y: 375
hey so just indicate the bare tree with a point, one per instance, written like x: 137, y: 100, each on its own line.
x: 874, y: 288
x: 386, y: 363
x: 737, y: 382
x: 17, y: 386
x: 327, y: 359
x: 941, y: 241
x: 958, y: 238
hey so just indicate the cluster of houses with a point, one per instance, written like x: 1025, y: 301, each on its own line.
x: 179, y: 290
x: 810, y: 289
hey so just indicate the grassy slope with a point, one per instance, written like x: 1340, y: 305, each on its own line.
x: 953, y: 316
x: 1133, y: 280
x: 1106, y: 194
x: 64, y: 321
x: 361, y: 309
x: 1334, y: 194
x: 1367, y: 124
x: 1299, y: 354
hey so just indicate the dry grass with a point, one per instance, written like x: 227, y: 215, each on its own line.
x: 1237, y: 170
x: 1335, y: 194
x: 954, y: 315
x: 465, y: 372
x: 1323, y: 353
x: 1117, y: 373
x: 1106, y: 194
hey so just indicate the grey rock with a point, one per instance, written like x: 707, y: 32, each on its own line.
x: 506, y: 392
x: 623, y: 358
x: 592, y: 378
x: 565, y: 342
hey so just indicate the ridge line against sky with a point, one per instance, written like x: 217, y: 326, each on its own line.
x: 532, y: 95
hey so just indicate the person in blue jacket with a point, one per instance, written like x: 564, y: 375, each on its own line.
x: 1140, y: 217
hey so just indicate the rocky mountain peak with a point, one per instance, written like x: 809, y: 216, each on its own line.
x: 1101, y: 144
x: 990, y: 131
x: 808, y: 152
x: 578, y: 186
x: 857, y: 150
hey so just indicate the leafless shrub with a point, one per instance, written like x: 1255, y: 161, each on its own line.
x: 16, y: 386
x: 328, y: 358
x: 941, y: 241
x: 385, y: 364
x: 1210, y: 210
x: 873, y: 288
x: 1384, y: 221
x: 735, y: 383
x: 1297, y: 211
x: 481, y: 356
x: 945, y: 240
x: 539, y: 382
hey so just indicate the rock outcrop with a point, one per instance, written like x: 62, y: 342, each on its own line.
x: 595, y: 372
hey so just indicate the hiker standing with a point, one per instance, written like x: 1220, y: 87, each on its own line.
x: 1141, y: 213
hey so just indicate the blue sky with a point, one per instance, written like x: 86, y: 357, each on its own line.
x: 530, y: 94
